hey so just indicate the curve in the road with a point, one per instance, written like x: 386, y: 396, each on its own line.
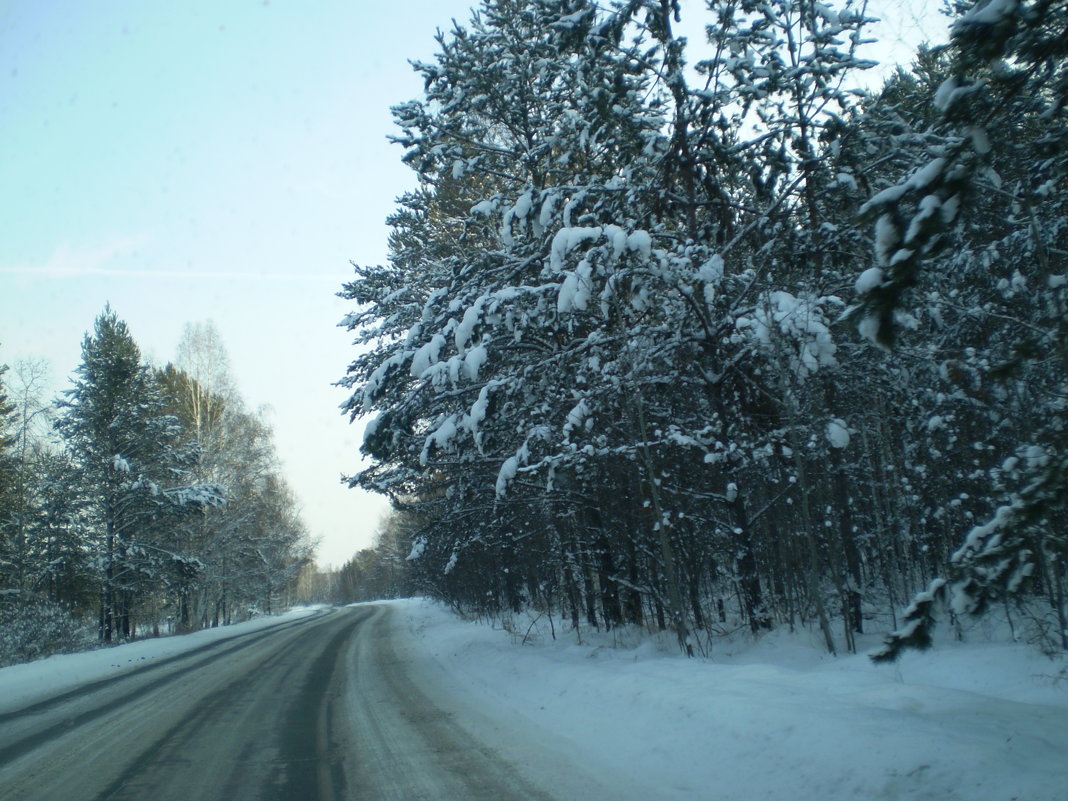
x: 323, y: 709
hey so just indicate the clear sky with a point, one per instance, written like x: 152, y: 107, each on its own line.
x: 217, y: 161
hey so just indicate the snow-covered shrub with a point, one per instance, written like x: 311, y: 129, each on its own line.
x: 32, y: 627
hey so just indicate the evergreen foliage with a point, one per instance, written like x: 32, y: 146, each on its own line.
x: 612, y: 361
x: 7, y: 459
x: 159, y: 508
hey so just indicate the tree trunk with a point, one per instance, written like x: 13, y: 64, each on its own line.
x: 745, y: 564
x: 107, y: 613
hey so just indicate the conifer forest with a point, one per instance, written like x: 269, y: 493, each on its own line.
x: 702, y: 336
x: 143, y: 501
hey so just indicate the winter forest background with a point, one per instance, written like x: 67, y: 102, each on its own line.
x: 143, y: 501
x: 696, y: 345
x: 730, y: 343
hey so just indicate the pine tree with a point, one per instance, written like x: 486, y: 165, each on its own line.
x: 8, y: 480
x: 132, y: 459
x: 604, y: 359
x: 573, y: 303
x: 989, y: 210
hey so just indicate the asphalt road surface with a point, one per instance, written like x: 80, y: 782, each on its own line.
x: 323, y: 708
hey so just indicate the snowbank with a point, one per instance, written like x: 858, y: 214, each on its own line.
x: 772, y: 720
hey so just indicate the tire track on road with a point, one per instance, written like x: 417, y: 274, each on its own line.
x: 27, y: 743
x: 247, y: 708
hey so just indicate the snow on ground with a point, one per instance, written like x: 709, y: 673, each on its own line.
x: 776, y: 719
x: 21, y: 685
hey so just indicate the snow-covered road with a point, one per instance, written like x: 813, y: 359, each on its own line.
x: 321, y: 707
x: 405, y: 701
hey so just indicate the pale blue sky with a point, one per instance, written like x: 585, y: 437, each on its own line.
x: 209, y: 160
x: 213, y: 160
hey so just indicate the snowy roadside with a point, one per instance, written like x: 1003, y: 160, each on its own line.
x: 775, y: 720
x: 21, y: 685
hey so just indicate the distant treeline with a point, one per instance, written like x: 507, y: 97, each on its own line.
x: 142, y: 500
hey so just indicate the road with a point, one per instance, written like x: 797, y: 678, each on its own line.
x: 323, y: 708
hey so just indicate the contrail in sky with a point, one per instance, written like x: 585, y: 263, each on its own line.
x: 75, y: 272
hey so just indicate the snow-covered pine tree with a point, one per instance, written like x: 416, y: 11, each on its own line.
x: 606, y: 326
x: 19, y: 457
x: 44, y: 573
x: 7, y: 412
x: 8, y: 480
x: 59, y: 533
x: 133, y: 463
x: 582, y: 292
x: 533, y: 133
x: 1001, y: 261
